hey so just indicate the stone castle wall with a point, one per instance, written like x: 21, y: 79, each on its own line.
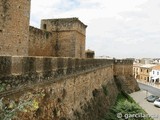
x: 121, y: 69
x: 65, y: 44
x: 17, y: 38
x: 14, y: 27
x: 63, y: 24
x: 123, y: 72
x: 69, y: 35
x: 65, y: 87
x: 65, y: 39
x: 41, y: 43
x: 80, y: 45
x: 20, y: 71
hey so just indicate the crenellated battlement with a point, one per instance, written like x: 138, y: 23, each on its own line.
x: 63, y: 24
x: 76, y: 82
x: 43, y: 34
x: 50, y: 62
x: 123, y: 67
x: 19, y: 71
x: 123, y: 61
x: 63, y: 37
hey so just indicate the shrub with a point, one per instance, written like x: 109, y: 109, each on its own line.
x: 127, y: 108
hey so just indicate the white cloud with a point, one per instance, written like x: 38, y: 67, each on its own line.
x: 119, y: 28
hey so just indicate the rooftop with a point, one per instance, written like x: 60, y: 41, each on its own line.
x: 156, y: 67
x: 147, y: 66
x: 137, y: 64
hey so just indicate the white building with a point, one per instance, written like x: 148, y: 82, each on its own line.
x: 156, y: 61
x: 155, y: 74
x: 146, y: 61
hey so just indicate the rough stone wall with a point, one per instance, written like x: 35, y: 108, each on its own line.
x: 123, y: 67
x: 77, y: 97
x: 14, y: 27
x: 64, y: 24
x: 41, y: 43
x: 123, y: 73
x: 21, y: 71
x: 69, y: 35
x: 1, y: 17
x: 64, y: 44
x: 64, y: 88
x: 17, y: 38
x: 80, y: 45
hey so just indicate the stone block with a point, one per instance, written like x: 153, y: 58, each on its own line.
x: 39, y: 64
x: 17, y: 65
x: 29, y: 65
x: 5, y: 65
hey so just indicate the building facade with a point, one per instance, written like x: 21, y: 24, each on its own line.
x: 145, y: 72
x: 136, y: 70
x: 155, y: 74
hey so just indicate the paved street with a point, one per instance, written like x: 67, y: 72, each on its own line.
x: 139, y: 97
x: 150, y: 89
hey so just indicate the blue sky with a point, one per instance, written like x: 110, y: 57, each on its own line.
x: 116, y: 28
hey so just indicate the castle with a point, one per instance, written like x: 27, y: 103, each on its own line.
x: 48, y: 66
x: 56, y: 38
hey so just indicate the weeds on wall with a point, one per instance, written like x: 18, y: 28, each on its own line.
x: 2, y: 88
x: 105, y: 90
x: 10, y: 111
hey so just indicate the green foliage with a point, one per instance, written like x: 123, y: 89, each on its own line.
x: 8, y: 112
x: 105, y: 90
x: 126, y: 96
x: 2, y: 88
x: 126, y: 107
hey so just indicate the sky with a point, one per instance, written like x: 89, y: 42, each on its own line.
x: 116, y: 28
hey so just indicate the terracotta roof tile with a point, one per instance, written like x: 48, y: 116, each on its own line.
x: 156, y: 67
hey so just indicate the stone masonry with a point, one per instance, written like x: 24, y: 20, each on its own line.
x: 14, y: 27
x: 48, y: 66
x: 41, y: 43
x: 57, y: 37
x: 67, y: 88
x: 69, y: 36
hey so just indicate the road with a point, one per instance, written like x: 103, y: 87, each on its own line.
x: 139, y: 97
x: 150, y: 89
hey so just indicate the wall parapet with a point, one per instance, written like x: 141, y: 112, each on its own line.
x: 69, y: 85
x: 41, y: 33
x: 41, y: 42
x: 123, y: 61
x: 21, y: 71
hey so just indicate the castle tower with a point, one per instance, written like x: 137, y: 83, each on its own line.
x: 69, y: 35
x: 14, y: 27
